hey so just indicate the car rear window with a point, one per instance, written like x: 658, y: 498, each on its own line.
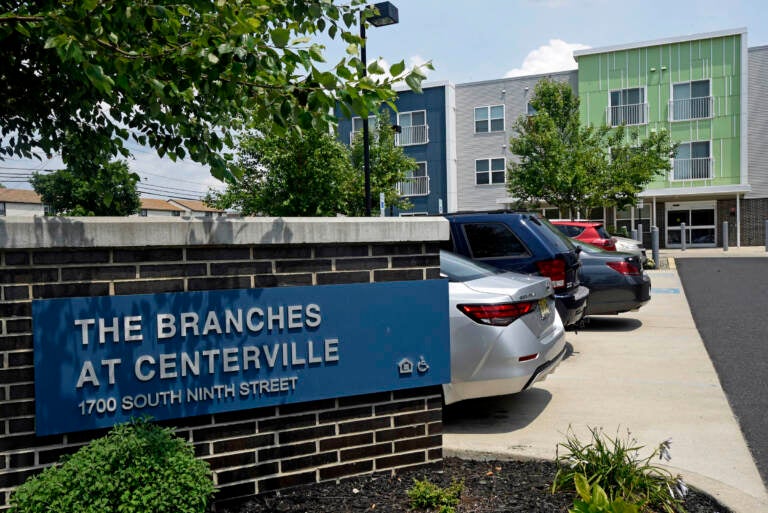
x: 602, y: 233
x: 493, y: 240
x: 554, y: 236
x: 460, y: 269
x: 569, y: 230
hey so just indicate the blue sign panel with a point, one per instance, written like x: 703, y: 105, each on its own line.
x: 104, y: 360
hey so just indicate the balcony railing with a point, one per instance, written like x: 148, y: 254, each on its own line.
x: 372, y: 134
x: 633, y: 114
x: 410, y: 135
x: 414, y: 186
x: 690, y: 108
x: 692, y: 169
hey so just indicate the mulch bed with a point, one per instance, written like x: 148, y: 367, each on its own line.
x: 490, y: 486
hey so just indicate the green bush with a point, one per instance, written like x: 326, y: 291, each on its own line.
x: 595, y: 500
x: 616, y: 466
x: 136, y: 468
x: 426, y: 495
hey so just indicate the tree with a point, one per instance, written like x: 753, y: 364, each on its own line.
x: 300, y: 174
x: 388, y: 165
x: 576, y: 167
x: 97, y: 189
x: 183, y: 78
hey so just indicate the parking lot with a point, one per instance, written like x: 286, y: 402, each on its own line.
x: 647, y: 373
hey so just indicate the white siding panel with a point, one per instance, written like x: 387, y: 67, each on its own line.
x: 758, y: 122
x: 513, y: 93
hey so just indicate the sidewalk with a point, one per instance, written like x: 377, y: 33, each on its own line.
x: 647, y: 372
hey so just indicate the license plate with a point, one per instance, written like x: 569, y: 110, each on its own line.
x: 543, y: 308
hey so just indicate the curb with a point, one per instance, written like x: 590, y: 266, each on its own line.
x: 728, y: 496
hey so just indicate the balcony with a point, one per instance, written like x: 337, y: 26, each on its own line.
x: 372, y: 134
x: 692, y: 169
x: 690, y: 108
x: 410, y: 135
x: 414, y: 186
x: 632, y: 114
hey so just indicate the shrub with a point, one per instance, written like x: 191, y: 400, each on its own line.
x: 594, y: 499
x: 616, y: 466
x: 136, y: 468
x: 426, y: 495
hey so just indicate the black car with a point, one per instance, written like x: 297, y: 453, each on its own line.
x: 527, y: 243
x: 616, y: 280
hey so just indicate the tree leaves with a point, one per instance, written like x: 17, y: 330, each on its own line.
x: 205, y: 69
x: 576, y: 167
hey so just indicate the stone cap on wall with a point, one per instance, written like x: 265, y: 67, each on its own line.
x: 90, y: 232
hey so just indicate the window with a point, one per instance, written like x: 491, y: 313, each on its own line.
x: 175, y: 213
x: 2, y: 208
x: 569, y: 230
x: 493, y: 240
x: 413, y: 128
x: 489, y: 119
x: 690, y: 100
x: 416, y: 182
x: 357, y: 126
x: 143, y: 212
x: 693, y: 161
x: 529, y: 109
x: 490, y: 171
x: 627, y: 107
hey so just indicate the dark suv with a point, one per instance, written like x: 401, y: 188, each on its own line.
x: 526, y: 243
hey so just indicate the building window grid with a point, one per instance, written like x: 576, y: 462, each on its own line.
x: 416, y: 182
x: 691, y: 100
x: 413, y: 128
x: 627, y: 107
x: 491, y: 171
x: 489, y: 119
x: 693, y: 161
x: 2, y: 208
x: 357, y: 127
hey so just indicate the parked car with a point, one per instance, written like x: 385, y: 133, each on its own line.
x: 505, y: 332
x: 526, y: 243
x: 616, y: 281
x: 592, y: 232
x: 627, y: 245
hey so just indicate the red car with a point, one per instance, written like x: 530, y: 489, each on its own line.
x: 591, y: 232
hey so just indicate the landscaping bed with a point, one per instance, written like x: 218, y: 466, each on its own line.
x: 488, y: 486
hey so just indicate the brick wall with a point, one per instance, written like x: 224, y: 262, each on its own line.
x: 250, y: 451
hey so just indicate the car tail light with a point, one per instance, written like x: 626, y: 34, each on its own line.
x: 554, y: 270
x: 499, y: 314
x: 625, y: 268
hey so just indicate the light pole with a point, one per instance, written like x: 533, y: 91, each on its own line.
x: 387, y: 16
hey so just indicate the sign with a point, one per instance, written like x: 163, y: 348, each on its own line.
x: 382, y: 205
x: 103, y: 360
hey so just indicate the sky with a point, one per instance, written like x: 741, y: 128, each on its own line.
x: 476, y: 40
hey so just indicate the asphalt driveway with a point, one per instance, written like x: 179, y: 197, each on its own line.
x: 729, y: 303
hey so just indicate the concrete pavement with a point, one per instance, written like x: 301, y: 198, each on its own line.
x: 645, y: 372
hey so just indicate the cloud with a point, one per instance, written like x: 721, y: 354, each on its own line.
x: 556, y: 56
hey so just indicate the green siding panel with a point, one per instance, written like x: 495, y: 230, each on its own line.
x: 656, y: 69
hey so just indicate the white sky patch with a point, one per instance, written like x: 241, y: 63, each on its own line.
x: 555, y: 56
x: 165, y: 177
x: 410, y: 63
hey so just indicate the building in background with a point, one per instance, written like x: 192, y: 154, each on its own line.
x: 485, y: 114
x: 195, y: 208
x: 159, y: 207
x: 424, y: 124
x: 695, y: 87
x: 20, y: 202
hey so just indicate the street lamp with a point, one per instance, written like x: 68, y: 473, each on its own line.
x: 387, y: 16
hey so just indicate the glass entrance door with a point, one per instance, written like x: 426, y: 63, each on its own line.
x: 699, y: 219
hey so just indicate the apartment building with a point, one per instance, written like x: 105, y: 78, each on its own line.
x: 696, y: 87
x: 424, y: 124
x: 485, y: 114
